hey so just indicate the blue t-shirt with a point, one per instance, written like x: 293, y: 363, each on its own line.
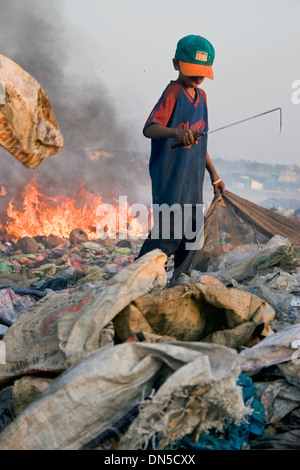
x: 177, y: 174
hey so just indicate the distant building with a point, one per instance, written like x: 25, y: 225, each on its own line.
x: 287, y: 176
x: 242, y: 182
x: 256, y: 185
x: 252, y: 177
x: 245, y: 182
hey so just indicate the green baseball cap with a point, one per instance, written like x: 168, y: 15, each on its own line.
x: 196, y: 56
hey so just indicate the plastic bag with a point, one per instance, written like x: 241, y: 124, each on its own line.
x: 273, y: 252
x: 280, y: 347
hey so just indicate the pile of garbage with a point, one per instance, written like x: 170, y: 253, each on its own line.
x: 33, y: 267
x: 101, y: 350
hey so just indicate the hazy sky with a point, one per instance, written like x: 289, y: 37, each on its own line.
x: 129, y: 46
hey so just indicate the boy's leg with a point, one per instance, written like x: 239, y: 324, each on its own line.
x: 168, y: 245
x: 188, y: 243
x: 180, y: 254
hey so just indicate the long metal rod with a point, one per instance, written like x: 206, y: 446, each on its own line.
x: 199, y: 134
x: 248, y: 119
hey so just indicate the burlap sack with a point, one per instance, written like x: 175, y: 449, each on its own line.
x: 15, y: 398
x: 206, y: 311
x: 28, y: 127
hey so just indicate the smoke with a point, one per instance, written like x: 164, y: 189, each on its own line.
x: 35, y: 35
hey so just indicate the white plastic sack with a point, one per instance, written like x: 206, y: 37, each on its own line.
x: 243, y: 267
x: 191, y: 388
x: 282, y: 346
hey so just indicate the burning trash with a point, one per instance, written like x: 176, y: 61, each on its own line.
x: 82, y: 218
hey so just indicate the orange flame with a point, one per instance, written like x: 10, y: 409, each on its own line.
x: 3, y: 191
x: 45, y: 215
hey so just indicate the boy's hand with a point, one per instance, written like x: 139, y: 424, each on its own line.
x: 219, y: 185
x: 186, y: 137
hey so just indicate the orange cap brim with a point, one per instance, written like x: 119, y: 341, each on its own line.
x: 196, y: 70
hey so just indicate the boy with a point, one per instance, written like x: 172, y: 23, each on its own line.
x: 178, y: 129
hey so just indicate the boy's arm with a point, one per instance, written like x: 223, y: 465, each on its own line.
x: 216, y: 181
x: 157, y: 131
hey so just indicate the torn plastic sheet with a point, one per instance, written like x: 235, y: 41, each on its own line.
x: 277, y: 348
x: 271, y: 254
x: 234, y: 223
x: 279, y: 398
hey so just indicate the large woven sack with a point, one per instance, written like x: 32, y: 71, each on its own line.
x: 28, y: 127
x: 199, y: 311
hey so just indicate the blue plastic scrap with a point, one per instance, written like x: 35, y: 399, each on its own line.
x: 234, y: 437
